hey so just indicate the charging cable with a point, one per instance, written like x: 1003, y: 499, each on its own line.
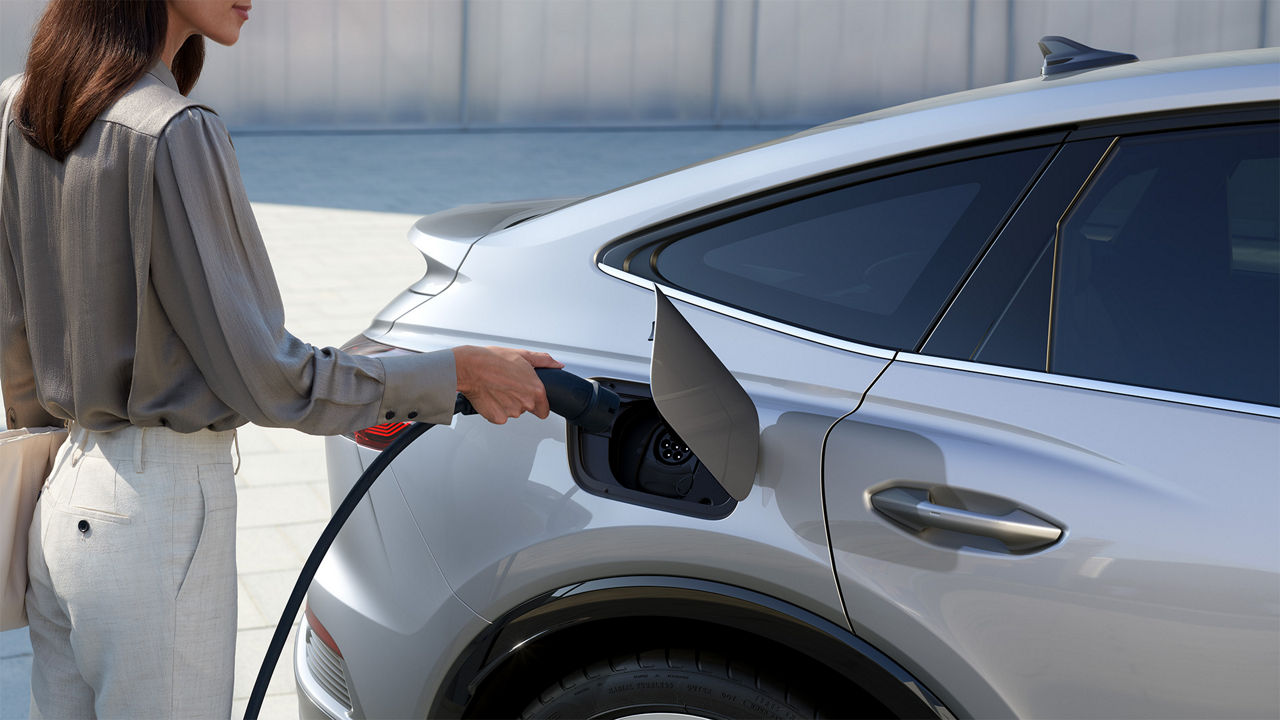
x: 579, y: 401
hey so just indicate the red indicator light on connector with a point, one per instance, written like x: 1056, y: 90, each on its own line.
x: 379, y: 437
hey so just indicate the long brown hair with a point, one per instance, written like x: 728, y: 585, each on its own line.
x: 84, y: 55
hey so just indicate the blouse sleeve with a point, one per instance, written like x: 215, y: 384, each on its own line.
x: 213, y: 279
x: 17, y: 375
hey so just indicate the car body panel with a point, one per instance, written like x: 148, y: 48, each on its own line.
x: 380, y: 593
x: 1115, y: 619
x: 542, y: 530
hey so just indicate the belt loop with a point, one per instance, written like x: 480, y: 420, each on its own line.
x: 235, y: 443
x: 77, y: 450
x: 137, y: 450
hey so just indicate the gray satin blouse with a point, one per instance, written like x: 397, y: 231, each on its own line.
x: 135, y: 289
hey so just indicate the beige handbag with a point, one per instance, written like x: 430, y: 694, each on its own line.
x: 26, y: 459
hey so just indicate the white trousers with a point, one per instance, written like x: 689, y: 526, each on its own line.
x: 132, y: 596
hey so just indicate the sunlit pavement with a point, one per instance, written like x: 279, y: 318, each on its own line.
x: 334, y: 210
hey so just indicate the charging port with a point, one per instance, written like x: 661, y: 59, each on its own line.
x: 642, y: 461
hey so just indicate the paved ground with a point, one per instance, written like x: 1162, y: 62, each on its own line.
x: 334, y: 210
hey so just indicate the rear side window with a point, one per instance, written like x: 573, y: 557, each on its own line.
x: 1168, y: 268
x: 873, y: 262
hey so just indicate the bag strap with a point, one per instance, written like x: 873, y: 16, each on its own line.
x: 4, y: 142
x: 8, y: 89
x: 6, y: 97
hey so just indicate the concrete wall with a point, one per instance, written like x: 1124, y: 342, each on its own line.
x: 522, y: 63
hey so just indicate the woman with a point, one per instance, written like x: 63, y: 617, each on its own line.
x: 138, y: 306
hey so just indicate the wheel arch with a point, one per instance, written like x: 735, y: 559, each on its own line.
x: 537, y: 642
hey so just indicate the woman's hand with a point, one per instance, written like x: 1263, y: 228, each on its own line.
x: 500, y: 382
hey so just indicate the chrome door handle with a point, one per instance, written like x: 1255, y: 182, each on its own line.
x: 1019, y: 530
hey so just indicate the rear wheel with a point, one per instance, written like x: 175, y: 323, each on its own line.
x: 670, y: 683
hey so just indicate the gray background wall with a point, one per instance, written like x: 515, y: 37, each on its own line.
x: 535, y: 63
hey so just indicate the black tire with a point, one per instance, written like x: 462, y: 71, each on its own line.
x: 682, y: 681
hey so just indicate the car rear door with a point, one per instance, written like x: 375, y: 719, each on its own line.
x: 1065, y: 504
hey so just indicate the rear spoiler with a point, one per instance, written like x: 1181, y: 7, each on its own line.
x: 445, y: 238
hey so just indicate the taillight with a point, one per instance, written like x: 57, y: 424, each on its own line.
x: 320, y: 632
x: 379, y: 437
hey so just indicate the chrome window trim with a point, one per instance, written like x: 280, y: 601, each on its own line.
x: 744, y: 316
x: 1096, y: 385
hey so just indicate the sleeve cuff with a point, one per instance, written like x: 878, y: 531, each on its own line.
x: 421, y: 387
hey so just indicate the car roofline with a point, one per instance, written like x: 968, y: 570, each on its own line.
x: 1238, y: 78
x: 1211, y: 68
x: 1098, y: 77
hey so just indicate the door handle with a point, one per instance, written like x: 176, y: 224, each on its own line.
x: 1019, y: 530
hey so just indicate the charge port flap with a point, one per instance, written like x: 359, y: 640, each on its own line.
x: 702, y: 401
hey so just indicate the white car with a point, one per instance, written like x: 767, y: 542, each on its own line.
x: 1012, y: 445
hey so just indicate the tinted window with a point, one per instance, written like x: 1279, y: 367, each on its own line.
x: 873, y: 262
x: 1168, y: 269
x: 1019, y: 335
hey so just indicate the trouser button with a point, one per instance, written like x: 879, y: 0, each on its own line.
x: 83, y: 526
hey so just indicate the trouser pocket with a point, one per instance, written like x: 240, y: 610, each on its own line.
x: 213, y: 553
x: 205, y: 634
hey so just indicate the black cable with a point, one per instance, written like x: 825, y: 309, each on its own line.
x: 309, y: 569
